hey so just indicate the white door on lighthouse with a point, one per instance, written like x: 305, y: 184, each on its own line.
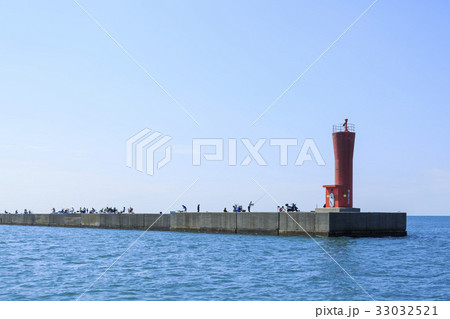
x: 331, y: 200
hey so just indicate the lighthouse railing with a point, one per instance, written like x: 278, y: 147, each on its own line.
x: 341, y: 128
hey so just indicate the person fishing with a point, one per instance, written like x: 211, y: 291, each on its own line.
x: 250, y: 206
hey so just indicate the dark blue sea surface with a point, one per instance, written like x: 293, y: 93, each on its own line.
x: 46, y: 263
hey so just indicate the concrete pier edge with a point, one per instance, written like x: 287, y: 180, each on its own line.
x: 327, y: 224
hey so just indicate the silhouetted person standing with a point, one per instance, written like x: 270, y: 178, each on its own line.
x: 198, y: 208
x: 250, y: 206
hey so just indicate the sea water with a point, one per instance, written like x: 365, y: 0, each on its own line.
x: 49, y: 263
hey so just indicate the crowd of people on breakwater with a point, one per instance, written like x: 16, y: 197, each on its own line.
x: 25, y: 212
x: 239, y: 209
x: 113, y: 210
x: 82, y: 210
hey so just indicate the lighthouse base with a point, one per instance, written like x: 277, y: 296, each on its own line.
x: 338, y: 210
x: 357, y: 224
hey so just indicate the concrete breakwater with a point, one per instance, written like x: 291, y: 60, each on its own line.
x: 281, y: 224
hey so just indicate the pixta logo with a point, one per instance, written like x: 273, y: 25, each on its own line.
x: 143, y: 146
x: 149, y: 142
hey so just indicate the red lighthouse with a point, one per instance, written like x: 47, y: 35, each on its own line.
x: 341, y: 194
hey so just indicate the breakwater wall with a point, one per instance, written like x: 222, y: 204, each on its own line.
x: 281, y: 224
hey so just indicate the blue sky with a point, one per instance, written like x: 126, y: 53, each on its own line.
x: 70, y: 98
